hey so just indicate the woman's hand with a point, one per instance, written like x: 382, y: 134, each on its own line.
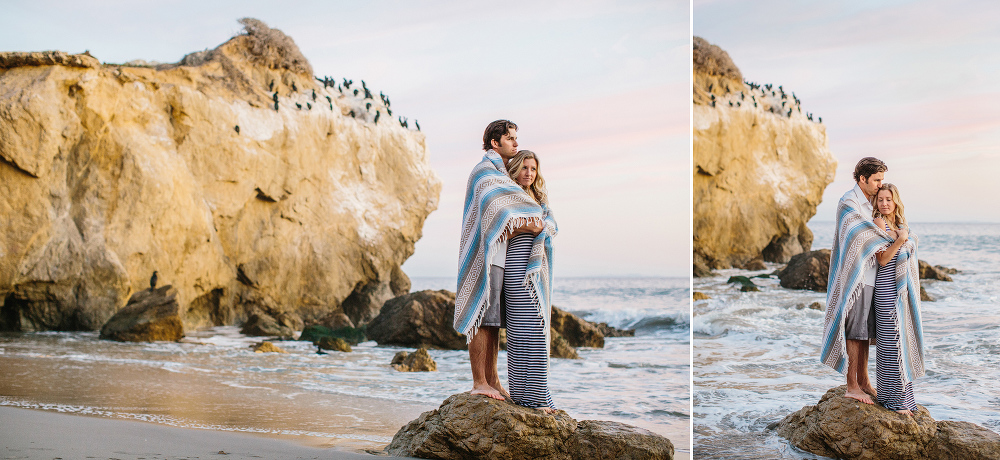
x: 902, y: 234
x: 533, y: 226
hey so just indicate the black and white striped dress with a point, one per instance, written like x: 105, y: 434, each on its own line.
x: 892, y: 393
x: 527, y: 361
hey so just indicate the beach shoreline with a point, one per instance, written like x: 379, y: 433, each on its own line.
x: 31, y: 434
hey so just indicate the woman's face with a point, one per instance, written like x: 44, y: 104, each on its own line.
x: 884, y: 202
x: 529, y: 169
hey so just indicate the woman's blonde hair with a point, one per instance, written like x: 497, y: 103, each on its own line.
x: 537, y: 188
x: 897, y: 219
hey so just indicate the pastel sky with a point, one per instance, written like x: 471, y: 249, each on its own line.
x: 600, y: 90
x: 914, y: 83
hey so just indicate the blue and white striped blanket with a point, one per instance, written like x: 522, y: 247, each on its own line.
x: 494, y: 206
x: 855, y: 244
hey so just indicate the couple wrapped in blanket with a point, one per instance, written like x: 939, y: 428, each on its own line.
x: 505, y: 270
x: 873, y: 294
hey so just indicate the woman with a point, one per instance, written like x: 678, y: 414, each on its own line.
x: 893, y: 391
x: 526, y: 320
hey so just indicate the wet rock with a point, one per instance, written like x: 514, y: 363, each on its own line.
x: 418, y: 361
x: 477, y: 427
x: 754, y: 265
x: 335, y: 344
x: 924, y: 296
x: 699, y: 296
x: 930, y: 272
x: 745, y: 284
x: 315, y: 332
x: 150, y: 315
x: 839, y: 427
x: 336, y: 320
x: 609, y: 331
x: 266, y: 347
x: 266, y: 320
x: 950, y: 271
x: 559, y: 347
x: 809, y: 270
x: 816, y: 306
x: 419, y: 319
x: 577, y: 331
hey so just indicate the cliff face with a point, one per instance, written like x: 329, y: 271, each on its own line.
x: 109, y: 173
x: 760, y: 167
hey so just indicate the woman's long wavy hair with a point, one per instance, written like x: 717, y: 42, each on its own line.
x: 897, y: 219
x: 537, y: 188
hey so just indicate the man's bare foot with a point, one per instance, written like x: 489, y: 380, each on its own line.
x: 860, y: 396
x: 487, y: 390
x: 546, y: 409
x: 905, y: 412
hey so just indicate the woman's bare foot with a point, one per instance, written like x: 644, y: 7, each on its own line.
x: 546, y: 409
x: 905, y: 412
x: 860, y: 396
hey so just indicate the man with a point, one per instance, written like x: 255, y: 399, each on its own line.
x: 849, y: 312
x: 488, y: 218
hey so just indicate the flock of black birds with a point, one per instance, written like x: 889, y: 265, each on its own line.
x: 330, y: 82
x: 767, y: 90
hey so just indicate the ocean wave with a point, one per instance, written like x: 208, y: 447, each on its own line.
x: 640, y: 320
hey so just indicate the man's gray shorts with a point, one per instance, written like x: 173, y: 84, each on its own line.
x: 860, y: 322
x: 494, y: 315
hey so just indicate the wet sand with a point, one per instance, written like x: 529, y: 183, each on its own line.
x: 34, y: 434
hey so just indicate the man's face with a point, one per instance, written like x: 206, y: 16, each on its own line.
x: 507, y: 147
x: 871, y: 184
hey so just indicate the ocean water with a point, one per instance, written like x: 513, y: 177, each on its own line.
x: 756, y: 354
x: 212, y: 380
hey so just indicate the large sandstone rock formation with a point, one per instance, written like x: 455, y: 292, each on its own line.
x: 759, y: 173
x: 150, y: 315
x: 839, y: 427
x: 476, y: 427
x: 110, y: 172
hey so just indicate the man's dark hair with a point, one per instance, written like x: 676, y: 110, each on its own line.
x: 495, y: 131
x: 868, y: 166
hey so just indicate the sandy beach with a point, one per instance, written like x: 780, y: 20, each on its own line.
x: 34, y: 434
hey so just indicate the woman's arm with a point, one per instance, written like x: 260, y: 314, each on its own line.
x: 885, y: 256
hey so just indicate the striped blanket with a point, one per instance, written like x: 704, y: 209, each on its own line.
x: 855, y: 243
x: 494, y: 206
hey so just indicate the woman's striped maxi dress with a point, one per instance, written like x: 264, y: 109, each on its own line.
x: 527, y: 361
x: 892, y: 393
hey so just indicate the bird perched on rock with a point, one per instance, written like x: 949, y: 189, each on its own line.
x: 314, y: 95
x: 388, y: 110
x: 275, y: 97
x: 271, y: 86
x: 340, y: 89
x: 152, y: 280
x: 294, y: 88
x: 351, y: 114
x: 309, y: 106
x: 298, y: 105
x: 275, y: 106
x: 377, y: 113
x: 237, y: 128
x: 418, y: 124
x: 355, y: 92
x: 820, y: 119
x: 347, y: 83
x: 368, y: 106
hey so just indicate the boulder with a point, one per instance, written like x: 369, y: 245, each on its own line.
x: 264, y: 319
x: 924, y: 296
x: 809, y: 270
x: 477, y: 427
x: 559, y: 347
x: 418, y: 361
x: 746, y: 285
x: 759, y: 172
x: 308, y: 208
x: 696, y: 296
x: 266, y: 347
x: 576, y: 331
x: 335, y: 344
x: 840, y: 427
x: 610, y: 331
x: 932, y: 272
x: 417, y: 320
x: 316, y: 332
x: 754, y: 265
x: 150, y: 315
